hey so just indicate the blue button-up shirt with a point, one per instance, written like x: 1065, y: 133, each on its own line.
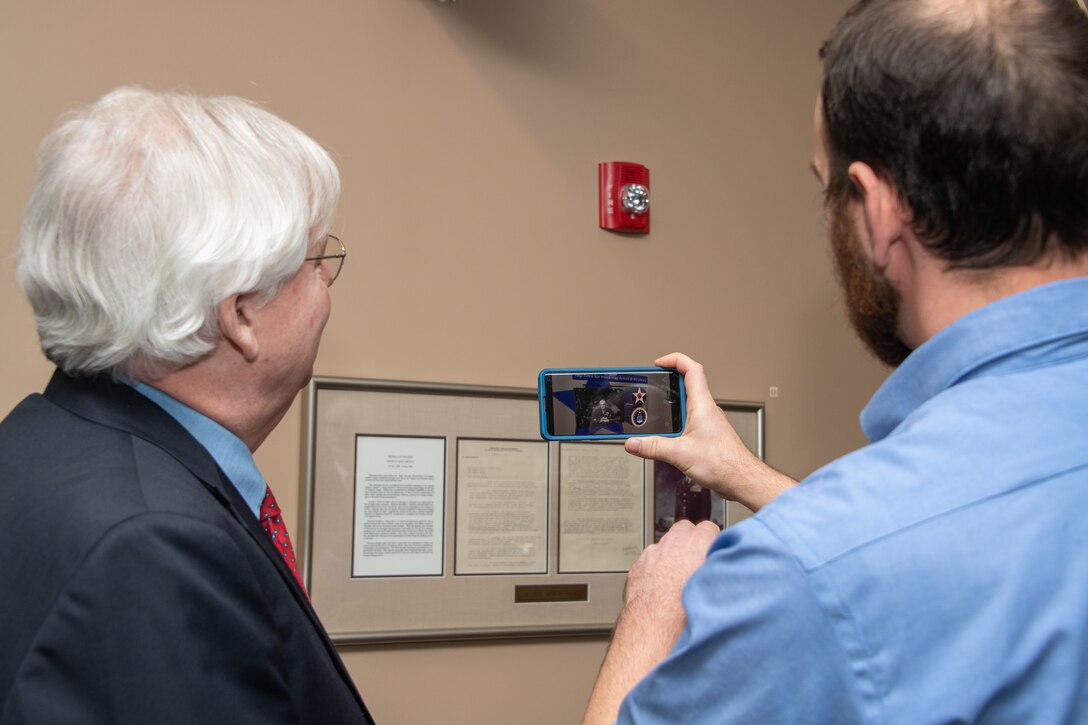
x: 228, y: 450
x: 939, y: 574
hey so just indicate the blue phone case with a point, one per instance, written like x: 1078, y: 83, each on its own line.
x: 605, y: 436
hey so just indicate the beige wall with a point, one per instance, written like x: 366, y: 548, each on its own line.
x: 468, y: 135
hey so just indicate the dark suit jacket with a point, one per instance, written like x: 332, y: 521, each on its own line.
x: 135, y: 584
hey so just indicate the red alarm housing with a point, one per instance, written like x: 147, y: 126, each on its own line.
x: 625, y: 197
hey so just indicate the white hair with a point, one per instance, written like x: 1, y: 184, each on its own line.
x: 151, y: 208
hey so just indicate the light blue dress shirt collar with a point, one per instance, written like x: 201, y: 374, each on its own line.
x: 1040, y: 319
x: 228, y: 450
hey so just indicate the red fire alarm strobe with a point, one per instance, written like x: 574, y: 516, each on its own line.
x: 625, y: 197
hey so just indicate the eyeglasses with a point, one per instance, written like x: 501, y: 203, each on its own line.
x: 334, y: 249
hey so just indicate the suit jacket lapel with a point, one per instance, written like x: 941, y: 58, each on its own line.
x: 118, y: 405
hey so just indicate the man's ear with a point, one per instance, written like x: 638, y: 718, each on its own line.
x: 238, y: 326
x: 883, y: 211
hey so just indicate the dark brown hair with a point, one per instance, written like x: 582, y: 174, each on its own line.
x: 977, y: 111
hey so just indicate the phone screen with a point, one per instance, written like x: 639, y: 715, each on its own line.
x: 611, y: 403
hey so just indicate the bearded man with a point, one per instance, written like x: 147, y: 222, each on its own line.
x: 939, y: 574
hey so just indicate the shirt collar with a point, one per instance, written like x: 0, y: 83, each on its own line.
x: 228, y: 450
x: 984, y: 340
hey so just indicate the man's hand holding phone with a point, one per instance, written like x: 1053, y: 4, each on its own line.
x: 710, y: 452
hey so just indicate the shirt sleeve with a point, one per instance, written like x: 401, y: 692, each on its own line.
x: 760, y: 645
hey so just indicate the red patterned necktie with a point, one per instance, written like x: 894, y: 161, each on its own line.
x: 273, y: 525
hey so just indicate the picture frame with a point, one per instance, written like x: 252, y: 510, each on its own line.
x: 432, y: 511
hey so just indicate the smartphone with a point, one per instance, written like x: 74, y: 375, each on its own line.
x: 608, y: 403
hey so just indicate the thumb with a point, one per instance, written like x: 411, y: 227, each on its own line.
x: 653, y: 447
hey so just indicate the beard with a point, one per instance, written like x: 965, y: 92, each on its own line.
x: 871, y: 301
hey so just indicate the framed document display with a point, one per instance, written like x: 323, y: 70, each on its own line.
x: 399, y: 490
x: 502, y: 507
x: 435, y: 511
x: 602, y: 507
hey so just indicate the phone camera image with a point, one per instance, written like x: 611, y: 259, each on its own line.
x: 597, y: 409
x: 612, y: 403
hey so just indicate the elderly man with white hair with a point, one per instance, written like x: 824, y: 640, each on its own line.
x: 177, y: 255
